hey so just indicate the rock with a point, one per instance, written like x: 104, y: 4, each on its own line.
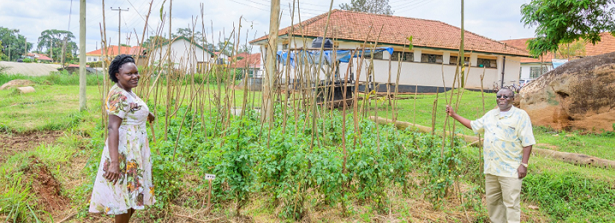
x: 25, y: 90
x: 16, y: 83
x: 577, y: 95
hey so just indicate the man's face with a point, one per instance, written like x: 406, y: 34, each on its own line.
x: 504, y: 99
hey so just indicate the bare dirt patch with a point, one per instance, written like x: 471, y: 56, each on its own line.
x: 17, y: 142
x: 46, y: 186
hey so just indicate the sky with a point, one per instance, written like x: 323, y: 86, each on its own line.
x: 497, y: 20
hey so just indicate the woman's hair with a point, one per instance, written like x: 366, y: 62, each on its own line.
x: 117, y: 63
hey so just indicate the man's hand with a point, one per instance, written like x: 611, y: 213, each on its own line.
x: 449, y: 110
x: 113, y: 173
x: 151, y: 118
x: 522, y: 171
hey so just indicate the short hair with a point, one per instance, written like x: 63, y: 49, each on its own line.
x: 117, y: 62
x: 508, y: 88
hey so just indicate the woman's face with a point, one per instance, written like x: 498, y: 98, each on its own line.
x: 128, y: 76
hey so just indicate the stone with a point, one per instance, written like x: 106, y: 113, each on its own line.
x: 16, y: 83
x: 25, y: 90
x: 579, y: 95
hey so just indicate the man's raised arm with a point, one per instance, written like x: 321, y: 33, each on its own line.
x: 462, y: 120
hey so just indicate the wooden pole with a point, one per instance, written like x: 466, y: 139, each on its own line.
x: 461, y: 51
x: 82, y: 78
x: 270, y: 61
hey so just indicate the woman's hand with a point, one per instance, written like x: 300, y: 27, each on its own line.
x: 113, y: 173
x: 151, y: 118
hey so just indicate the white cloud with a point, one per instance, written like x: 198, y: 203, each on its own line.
x: 494, y: 19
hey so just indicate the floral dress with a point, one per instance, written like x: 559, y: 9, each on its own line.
x: 134, y: 189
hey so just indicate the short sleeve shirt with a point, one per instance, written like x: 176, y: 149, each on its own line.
x: 505, y: 136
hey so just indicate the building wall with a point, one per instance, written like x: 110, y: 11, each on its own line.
x: 527, y: 68
x: 417, y: 73
x: 183, y: 54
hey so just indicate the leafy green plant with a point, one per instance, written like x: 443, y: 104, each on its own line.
x: 17, y: 203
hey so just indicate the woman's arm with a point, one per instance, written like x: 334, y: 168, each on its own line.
x: 113, y: 173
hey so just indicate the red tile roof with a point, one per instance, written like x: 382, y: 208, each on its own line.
x: 43, y: 57
x: 250, y: 61
x: 77, y: 65
x: 606, y: 45
x: 112, y: 50
x: 355, y: 26
x: 522, y: 44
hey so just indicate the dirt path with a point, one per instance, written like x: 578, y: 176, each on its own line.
x: 17, y: 142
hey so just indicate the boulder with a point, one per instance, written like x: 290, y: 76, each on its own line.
x: 578, y: 95
x: 16, y: 83
x: 25, y: 90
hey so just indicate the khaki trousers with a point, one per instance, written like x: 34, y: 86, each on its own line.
x: 503, y: 197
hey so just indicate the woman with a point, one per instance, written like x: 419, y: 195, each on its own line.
x: 124, y: 180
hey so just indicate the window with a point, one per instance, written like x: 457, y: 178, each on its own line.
x: 488, y: 63
x: 431, y: 58
x: 535, y: 72
x: 377, y: 56
x: 89, y: 59
x: 405, y: 56
x: 453, y: 60
x: 95, y: 59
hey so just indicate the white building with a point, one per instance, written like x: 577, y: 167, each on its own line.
x: 185, y: 55
x: 434, y: 54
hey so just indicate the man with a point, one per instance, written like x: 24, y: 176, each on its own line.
x: 507, y: 147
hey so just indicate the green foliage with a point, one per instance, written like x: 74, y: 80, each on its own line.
x: 53, y: 40
x: 55, y: 78
x: 13, y: 43
x: 369, y: 6
x: 16, y: 201
x: 571, y: 197
x: 565, y: 21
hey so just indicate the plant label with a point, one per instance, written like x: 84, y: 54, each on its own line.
x: 210, y: 177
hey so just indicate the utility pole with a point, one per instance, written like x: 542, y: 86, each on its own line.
x: 461, y: 51
x: 119, y: 28
x: 270, y: 60
x: 82, y: 78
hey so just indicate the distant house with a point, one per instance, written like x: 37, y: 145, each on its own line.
x: 113, y: 51
x: 532, y: 68
x: 184, y: 54
x: 434, y: 54
x: 221, y: 58
x: 41, y: 58
x: 251, y: 63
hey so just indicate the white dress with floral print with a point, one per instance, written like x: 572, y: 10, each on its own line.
x: 134, y: 189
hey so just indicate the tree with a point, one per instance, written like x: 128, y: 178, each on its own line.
x: 14, y: 43
x: 53, y: 40
x: 369, y: 6
x: 568, y: 50
x: 187, y: 32
x: 154, y: 41
x: 565, y: 21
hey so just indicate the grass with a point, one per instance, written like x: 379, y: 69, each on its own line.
x: 55, y: 78
x: 49, y: 108
x: 73, y: 158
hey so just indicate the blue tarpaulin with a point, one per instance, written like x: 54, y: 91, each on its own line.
x: 313, y: 57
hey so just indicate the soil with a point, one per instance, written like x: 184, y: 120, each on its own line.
x: 16, y: 142
x: 46, y: 186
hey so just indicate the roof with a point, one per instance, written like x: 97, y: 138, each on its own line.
x: 522, y: 44
x: 355, y: 26
x: 249, y: 61
x: 606, y: 45
x: 76, y: 65
x: 43, y: 57
x: 113, y: 50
